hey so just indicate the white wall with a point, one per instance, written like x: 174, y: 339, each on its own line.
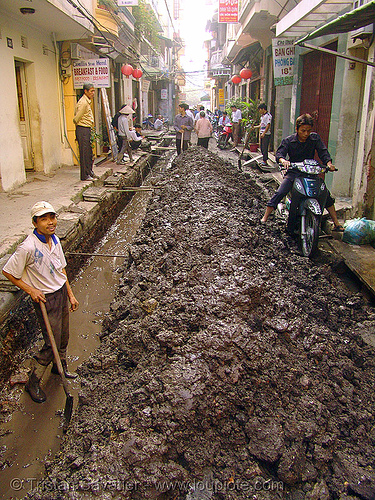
x: 44, y: 105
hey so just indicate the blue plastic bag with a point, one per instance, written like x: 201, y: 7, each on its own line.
x: 359, y: 231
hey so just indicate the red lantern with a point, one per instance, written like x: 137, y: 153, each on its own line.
x: 236, y: 79
x: 126, y: 70
x: 246, y: 73
x: 137, y: 73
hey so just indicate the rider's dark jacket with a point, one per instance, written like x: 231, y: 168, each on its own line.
x: 293, y: 150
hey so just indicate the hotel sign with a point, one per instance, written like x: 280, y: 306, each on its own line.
x: 283, y: 51
x: 95, y: 71
x: 228, y: 11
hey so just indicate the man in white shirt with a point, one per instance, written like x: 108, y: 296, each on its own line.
x: 158, y: 125
x: 265, y: 131
x: 190, y: 113
x: 38, y: 268
x: 224, y: 119
x: 236, y: 123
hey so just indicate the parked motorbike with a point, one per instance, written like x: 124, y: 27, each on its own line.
x: 304, y: 205
x: 225, y: 136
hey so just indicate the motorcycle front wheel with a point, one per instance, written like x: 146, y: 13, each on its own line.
x: 309, y: 241
x: 222, y: 142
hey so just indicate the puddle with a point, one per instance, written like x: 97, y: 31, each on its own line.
x: 34, y: 433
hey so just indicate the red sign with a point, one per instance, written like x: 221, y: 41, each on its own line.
x: 228, y: 11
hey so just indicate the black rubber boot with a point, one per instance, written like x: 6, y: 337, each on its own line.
x: 33, y: 388
x: 67, y: 374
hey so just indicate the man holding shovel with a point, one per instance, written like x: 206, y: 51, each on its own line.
x: 38, y: 268
x: 183, y: 125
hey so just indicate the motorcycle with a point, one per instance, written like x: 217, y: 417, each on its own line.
x: 304, y: 205
x: 225, y: 136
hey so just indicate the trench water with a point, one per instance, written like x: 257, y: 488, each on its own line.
x: 34, y: 433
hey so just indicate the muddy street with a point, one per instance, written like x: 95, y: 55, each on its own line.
x: 229, y: 367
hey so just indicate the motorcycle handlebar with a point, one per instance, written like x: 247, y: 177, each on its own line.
x: 326, y: 169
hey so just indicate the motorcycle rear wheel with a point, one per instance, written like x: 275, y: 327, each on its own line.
x: 222, y: 143
x: 309, y: 242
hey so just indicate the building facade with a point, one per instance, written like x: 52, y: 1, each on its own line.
x: 48, y: 49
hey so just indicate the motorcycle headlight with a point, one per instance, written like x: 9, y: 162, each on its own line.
x: 299, y: 186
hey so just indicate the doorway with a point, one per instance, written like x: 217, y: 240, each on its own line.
x: 23, y: 109
x: 317, y: 89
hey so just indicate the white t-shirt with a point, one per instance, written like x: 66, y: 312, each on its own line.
x: 236, y: 116
x: 264, y: 121
x: 37, y: 265
x: 158, y: 125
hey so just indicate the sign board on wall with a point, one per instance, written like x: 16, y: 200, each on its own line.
x: 163, y: 94
x: 95, y: 71
x: 228, y: 11
x: 283, y: 51
x: 221, y: 97
x: 127, y: 3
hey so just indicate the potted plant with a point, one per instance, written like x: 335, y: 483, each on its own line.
x: 250, y: 117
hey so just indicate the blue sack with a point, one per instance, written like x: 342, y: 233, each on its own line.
x: 359, y: 231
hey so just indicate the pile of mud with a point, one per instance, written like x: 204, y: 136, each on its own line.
x: 230, y: 366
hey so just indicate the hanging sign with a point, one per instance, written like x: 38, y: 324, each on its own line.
x: 95, y: 71
x: 145, y: 86
x: 283, y: 51
x: 228, y: 11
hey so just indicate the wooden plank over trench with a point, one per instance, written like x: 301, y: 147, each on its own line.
x: 360, y: 259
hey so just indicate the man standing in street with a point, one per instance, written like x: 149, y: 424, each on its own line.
x: 38, y: 268
x: 265, y: 131
x: 84, y: 121
x: 236, y: 122
x: 183, y: 125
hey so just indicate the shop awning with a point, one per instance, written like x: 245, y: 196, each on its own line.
x: 355, y: 19
x: 168, y: 42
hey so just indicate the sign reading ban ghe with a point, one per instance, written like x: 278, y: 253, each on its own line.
x: 95, y: 71
x: 283, y: 51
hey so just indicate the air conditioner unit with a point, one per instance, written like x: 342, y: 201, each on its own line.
x: 75, y: 51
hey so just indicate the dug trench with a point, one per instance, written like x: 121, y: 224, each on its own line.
x: 230, y: 367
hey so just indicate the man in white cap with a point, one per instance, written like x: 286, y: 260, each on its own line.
x: 124, y: 127
x: 38, y: 268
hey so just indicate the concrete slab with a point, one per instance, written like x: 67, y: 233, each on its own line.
x: 113, y: 180
x: 95, y: 194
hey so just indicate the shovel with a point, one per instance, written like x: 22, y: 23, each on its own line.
x: 69, y: 398
x: 245, y: 146
x: 182, y: 141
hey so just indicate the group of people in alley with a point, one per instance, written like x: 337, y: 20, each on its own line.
x: 38, y: 265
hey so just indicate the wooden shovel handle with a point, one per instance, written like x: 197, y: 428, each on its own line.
x: 54, y: 347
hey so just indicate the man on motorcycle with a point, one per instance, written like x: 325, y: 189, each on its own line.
x: 298, y: 147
